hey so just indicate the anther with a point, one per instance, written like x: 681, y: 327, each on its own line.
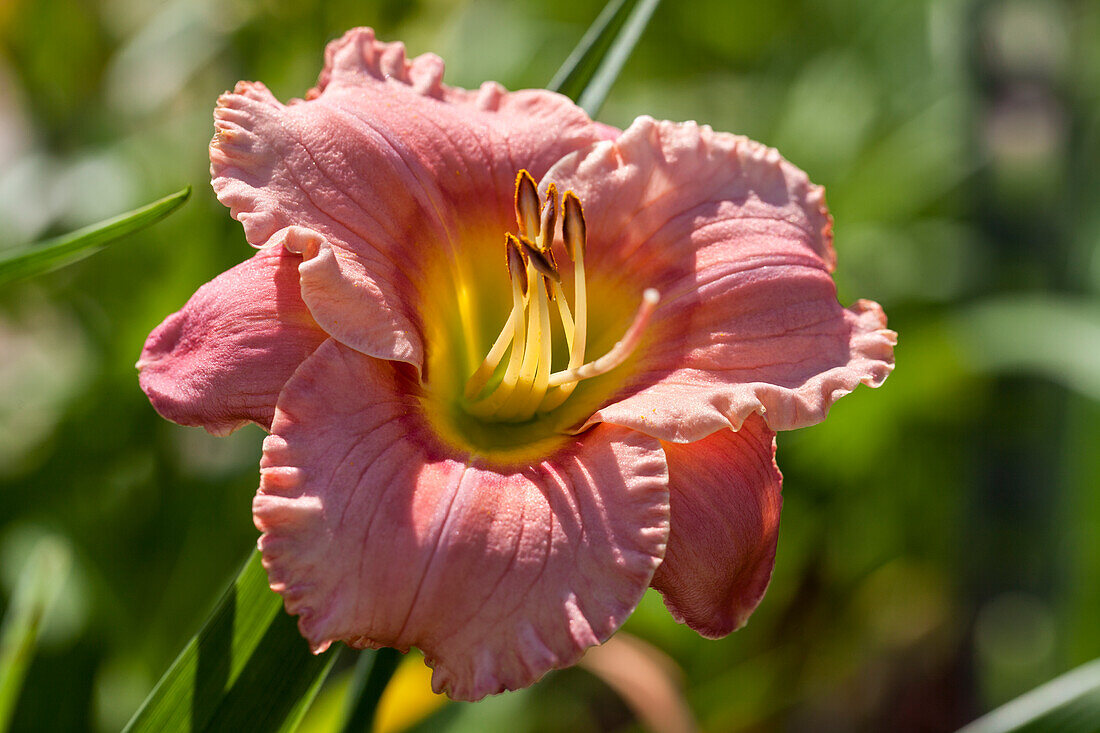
x: 527, y: 205
x: 527, y: 386
x: 541, y: 261
x: 549, y: 218
x: 574, y: 234
x: 573, y: 227
x: 517, y: 265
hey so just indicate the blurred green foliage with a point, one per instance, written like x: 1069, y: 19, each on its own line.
x: 939, y: 550
x: 21, y: 263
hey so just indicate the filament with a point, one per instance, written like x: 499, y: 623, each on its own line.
x: 528, y: 386
x: 619, y: 352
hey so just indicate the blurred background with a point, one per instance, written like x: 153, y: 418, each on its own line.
x: 940, y: 545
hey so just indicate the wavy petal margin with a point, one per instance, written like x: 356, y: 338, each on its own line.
x: 724, y: 494
x: 221, y: 360
x: 390, y: 167
x: 377, y: 535
x: 739, y: 244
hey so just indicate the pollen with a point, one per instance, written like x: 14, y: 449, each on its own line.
x: 527, y: 386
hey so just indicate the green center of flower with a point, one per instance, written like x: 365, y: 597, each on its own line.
x: 528, y: 386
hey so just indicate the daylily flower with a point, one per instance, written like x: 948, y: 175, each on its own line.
x: 498, y: 412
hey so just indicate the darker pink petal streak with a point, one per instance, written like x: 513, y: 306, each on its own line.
x: 725, y: 501
x: 739, y: 244
x: 377, y: 534
x: 222, y: 359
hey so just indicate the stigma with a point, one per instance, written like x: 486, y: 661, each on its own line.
x: 528, y: 386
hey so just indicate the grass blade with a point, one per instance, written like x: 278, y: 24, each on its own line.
x: 597, y: 89
x: 577, y: 70
x: 592, y: 68
x: 36, y: 259
x: 1069, y: 704
x: 38, y: 586
x: 372, y: 673
x: 247, y: 669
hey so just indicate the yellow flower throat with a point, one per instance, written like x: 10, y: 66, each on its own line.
x: 528, y: 386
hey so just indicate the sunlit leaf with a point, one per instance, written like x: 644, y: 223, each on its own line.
x: 1069, y: 704
x: 39, y: 584
x: 36, y: 259
x: 247, y: 669
x: 592, y: 68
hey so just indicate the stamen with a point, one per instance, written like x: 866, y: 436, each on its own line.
x: 517, y: 271
x: 549, y: 218
x: 480, y: 378
x: 580, y: 299
x: 542, y: 261
x: 488, y: 407
x: 517, y: 265
x: 528, y: 385
x: 574, y: 233
x: 536, y: 334
x: 619, y: 352
x: 573, y: 227
x: 565, y: 315
x: 528, y: 404
x: 527, y: 205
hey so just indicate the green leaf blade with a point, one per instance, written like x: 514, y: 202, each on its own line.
x: 578, y: 67
x: 596, y: 91
x: 1069, y: 704
x: 589, y: 72
x: 37, y: 259
x: 247, y: 669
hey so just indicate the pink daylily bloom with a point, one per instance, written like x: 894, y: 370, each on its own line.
x: 492, y: 457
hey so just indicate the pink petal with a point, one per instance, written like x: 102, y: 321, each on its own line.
x: 221, y: 360
x: 377, y: 533
x: 607, y: 132
x: 389, y: 167
x: 739, y: 244
x: 724, y: 499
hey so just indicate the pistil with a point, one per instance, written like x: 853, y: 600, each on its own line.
x: 619, y: 352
